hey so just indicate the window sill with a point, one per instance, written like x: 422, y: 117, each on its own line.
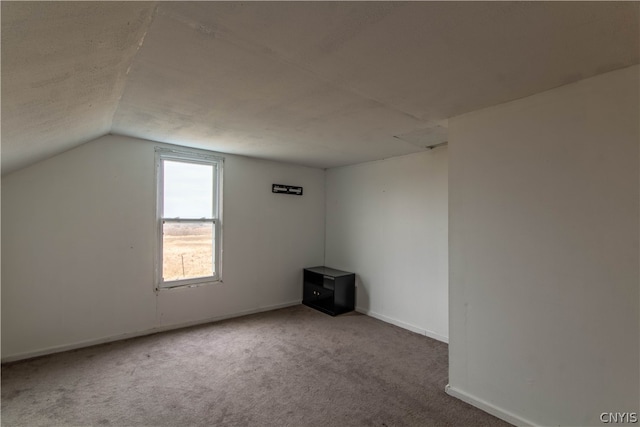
x: 194, y: 283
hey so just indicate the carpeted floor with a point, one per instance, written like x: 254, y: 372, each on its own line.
x: 289, y: 367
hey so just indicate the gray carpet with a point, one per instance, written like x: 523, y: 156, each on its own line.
x: 289, y: 367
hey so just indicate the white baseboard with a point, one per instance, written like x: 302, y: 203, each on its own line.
x: 154, y: 330
x: 488, y: 407
x: 404, y: 325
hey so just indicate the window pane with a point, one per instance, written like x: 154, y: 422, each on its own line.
x: 187, y: 250
x: 188, y: 190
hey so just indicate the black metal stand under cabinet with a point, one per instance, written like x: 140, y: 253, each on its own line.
x: 328, y: 290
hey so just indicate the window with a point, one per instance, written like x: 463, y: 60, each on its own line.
x: 189, y: 207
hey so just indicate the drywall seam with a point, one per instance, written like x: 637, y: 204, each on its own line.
x: 324, y: 236
x: 388, y: 159
x: 154, y: 330
x: 404, y: 325
x: 488, y: 407
x: 260, y: 48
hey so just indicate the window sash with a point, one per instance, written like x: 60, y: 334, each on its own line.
x: 215, y: 176
x: 214, y: 258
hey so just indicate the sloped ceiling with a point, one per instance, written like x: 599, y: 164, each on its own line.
x: 322, y: 84
x: 64, y: 68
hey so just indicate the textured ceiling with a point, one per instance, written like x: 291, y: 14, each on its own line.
x: 315, y: 83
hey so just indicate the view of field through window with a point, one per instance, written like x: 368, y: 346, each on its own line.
x: 188, y: 239
x: 187, y: 250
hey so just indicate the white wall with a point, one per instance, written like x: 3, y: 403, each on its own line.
x: 78, y: 246
x: 544, y: 258
x: 387, y: 222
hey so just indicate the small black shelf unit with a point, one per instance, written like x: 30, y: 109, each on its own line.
x: 329, y: 290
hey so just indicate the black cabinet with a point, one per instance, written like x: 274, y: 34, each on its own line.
x: 329, y: 290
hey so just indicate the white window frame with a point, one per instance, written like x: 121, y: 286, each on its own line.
x: 196, y: 157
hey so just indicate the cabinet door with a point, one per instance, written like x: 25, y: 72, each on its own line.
x: 318, y: 297
x: 315, y: 293
x: 309, y: 292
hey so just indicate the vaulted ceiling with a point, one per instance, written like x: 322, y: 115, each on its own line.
x: 315, y: 83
